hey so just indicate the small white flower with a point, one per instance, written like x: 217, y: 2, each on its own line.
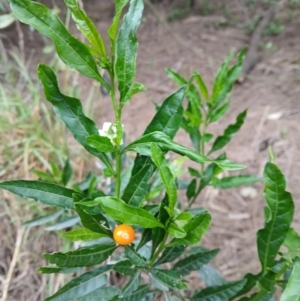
x: 109, y: 130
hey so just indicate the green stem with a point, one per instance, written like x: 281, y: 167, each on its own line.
x: 202, y: 152
x: 118, y: 173
x: 161, y: 247
x: 118, y: 113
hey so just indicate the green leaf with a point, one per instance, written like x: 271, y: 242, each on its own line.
x: 182, y: 218
x: 195, y: 228
x: 107, y: 293
x: 210, y: 276
x: 158, y: 235
x: 234, y: 181
x: 67, y: 173
x: 193, y: 114
x: 46, y: 193
x: 137, y: 188
x: 134, y: 257
x: 43, y: 220
x: 167, y: 120
x: 137, y: 295
x: 259, y: 296
x: 176, y: 77
x: 169, y: 116
x: 86, y: 26
x: 112, y: 31
x: 219, y: 113
x: 281, y: 208
x: 126, y: 47
x: 193, y: 132
x: 201, y: 85
x: 292, y: 290
x: 175, y: 231
x: 72, y: 51
x: 132, y: 285
x: 292, y: 240
x: 69, y: 110
x: 82, y: 285
x: 146, y: 237
x: 228, y: 165
x: 118, y: 210
x: 82, y: 234
x: 219, y: 293
x: 52, y: 270
x: 191, y: 190
x: 267, y: 281
x: 225, y: 78
x: 157, y: 283
x: 251, y: 282
x: 229, y: 132
x: 171, y: 278
x: 96, y: 223
x: 102, y: 144
x: 125, y: 268
x: 86, y: 256
x: 170, y: 254
x: 134, y: 89
x: 194, y: 173
x: 194, y: 262
x: 159, y: 160
x: 143, y: 146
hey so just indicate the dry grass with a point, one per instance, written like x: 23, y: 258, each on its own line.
x: 31, y: 138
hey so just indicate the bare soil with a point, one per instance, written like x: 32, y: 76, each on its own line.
x: 270, y: 94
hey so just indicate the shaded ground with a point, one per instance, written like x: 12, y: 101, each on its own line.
x: 273, y: 87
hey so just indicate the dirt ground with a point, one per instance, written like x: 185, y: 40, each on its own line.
x: 271, y: 95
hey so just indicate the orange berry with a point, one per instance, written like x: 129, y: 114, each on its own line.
x: 124, y: 235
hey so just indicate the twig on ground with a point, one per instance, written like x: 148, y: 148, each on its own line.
x: 13, y: 263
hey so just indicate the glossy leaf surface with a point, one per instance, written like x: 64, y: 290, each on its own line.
x: 137, y: 188
x: 195, y: 228
x: 137, y: 295
x: 132, y: 285
x: 67, y: 173
x: 281, y: 209
x: 102, y: 144
x: 134, y: 257
x: 82, y: 285
x: 82, y: 234
x: 107, y: 293
x: 86, y: 256
x: 120, y: 211
x: 194, y: 262
x: 72, y: 51
x: 125, y: 268
x: 86, y: 26
x: 171, y: 278
x: 112, y: 31
x: 234, y: 181
x: 229, y: 132
x: 126, y: 47
x: 46, y: 193
x: 170, y: 254
x: 292, y: 290
x: 69, y: 110
x: 96, y: 223
x: 159, y: 160
x: 219, y: 293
